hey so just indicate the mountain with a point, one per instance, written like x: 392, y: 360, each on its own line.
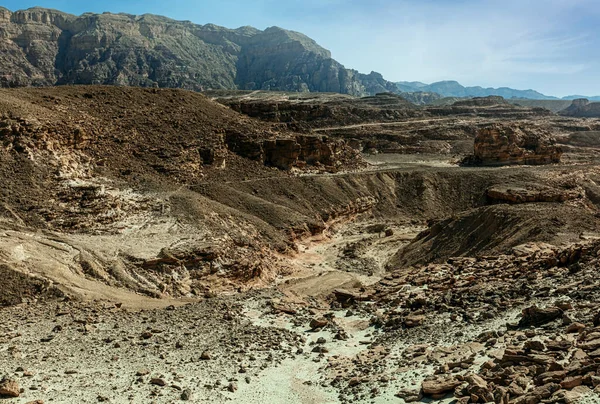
x: 455, y: 89
x: 41, y: 47
x: 579, y: 97
x: 410, y: 86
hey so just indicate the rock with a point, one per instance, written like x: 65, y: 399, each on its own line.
x: 436, y: 387
x: 574, y: 396
x: 9, y: 388
x: 142, y: 372
x: 529, y: 194
x: 413, y: 320
x: 317, y: 323
x: 410, y: 396
x: 575, y: 327
x: 502, y: 144
x: 186, y: 395
x: 571, y: 382
x: 205, y: 356
x: 535, y: 345
x: 536, y: 316
x: 280, y: 308
x: 157, y: 381
x: 596, y: 319
x: 232, y: 387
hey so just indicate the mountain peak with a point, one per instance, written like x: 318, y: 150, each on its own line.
x: 155, y: 51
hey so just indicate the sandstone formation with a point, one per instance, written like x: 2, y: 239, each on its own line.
x: 318, y: 110
x: 582, y: 108
x: 40, y: 47
x: 507, y: 145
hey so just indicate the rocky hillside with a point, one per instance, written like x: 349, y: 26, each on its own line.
x: 41, y: 47
x: 582, y: 108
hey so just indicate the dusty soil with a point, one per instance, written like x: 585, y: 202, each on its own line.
x: 134, y: 272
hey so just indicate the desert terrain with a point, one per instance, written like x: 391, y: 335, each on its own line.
x: 163, y: 246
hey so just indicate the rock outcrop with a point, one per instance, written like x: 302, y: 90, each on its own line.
x: 320, y: 110
x: 499, y: 145
x: 582, y: 108
x: 285, y: 153
x: 41, y: 47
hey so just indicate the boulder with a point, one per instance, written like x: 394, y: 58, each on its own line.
x: 536, y: 316
x: 437, y: 387
x: 9, y: 388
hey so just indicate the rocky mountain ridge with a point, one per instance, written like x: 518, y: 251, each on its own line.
x: 451, y: 88
x: 455, y: 89
x: 42, y: 47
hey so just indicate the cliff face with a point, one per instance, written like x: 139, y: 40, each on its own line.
x: 506, y: 145
x: 582, y: 108
x: 40, y: 47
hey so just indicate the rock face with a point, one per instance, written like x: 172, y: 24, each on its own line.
x: 320, y: 110
x: 582, y: 108
x: 40, y: 47
x: 290, y: 152
x: 499, y: 145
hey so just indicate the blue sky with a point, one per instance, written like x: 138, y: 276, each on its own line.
x: 552, y: 46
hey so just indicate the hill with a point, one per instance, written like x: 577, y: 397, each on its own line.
x: 42, y: 47
x: 455, y: 89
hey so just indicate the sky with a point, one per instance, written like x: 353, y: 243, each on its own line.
x: 552, y: 46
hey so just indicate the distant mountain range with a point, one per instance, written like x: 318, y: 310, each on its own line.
x: 455, y: 89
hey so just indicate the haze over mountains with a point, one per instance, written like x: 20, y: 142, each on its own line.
x: 43, y: 47
x: 455, y: 89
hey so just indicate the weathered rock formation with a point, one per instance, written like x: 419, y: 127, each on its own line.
x: 40, y: 47
x: 285, y: 153
x: 582, y: 108
x: 499, y: 145
x: 319, y: 110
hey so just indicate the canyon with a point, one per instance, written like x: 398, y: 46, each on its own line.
x: 255, y: 246
x: 195, y: 213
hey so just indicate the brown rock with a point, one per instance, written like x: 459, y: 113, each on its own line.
x: 506, y: 145
x: 157, y: 381
x: 317, y: 323
x: 410, y: 396
x: 536, y: 316
x: 575, y: 327
x: 142, y: 372
x: 413, y: 320
x: 9, y: 388
x: 439, y: 386
x: 571, y: 382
